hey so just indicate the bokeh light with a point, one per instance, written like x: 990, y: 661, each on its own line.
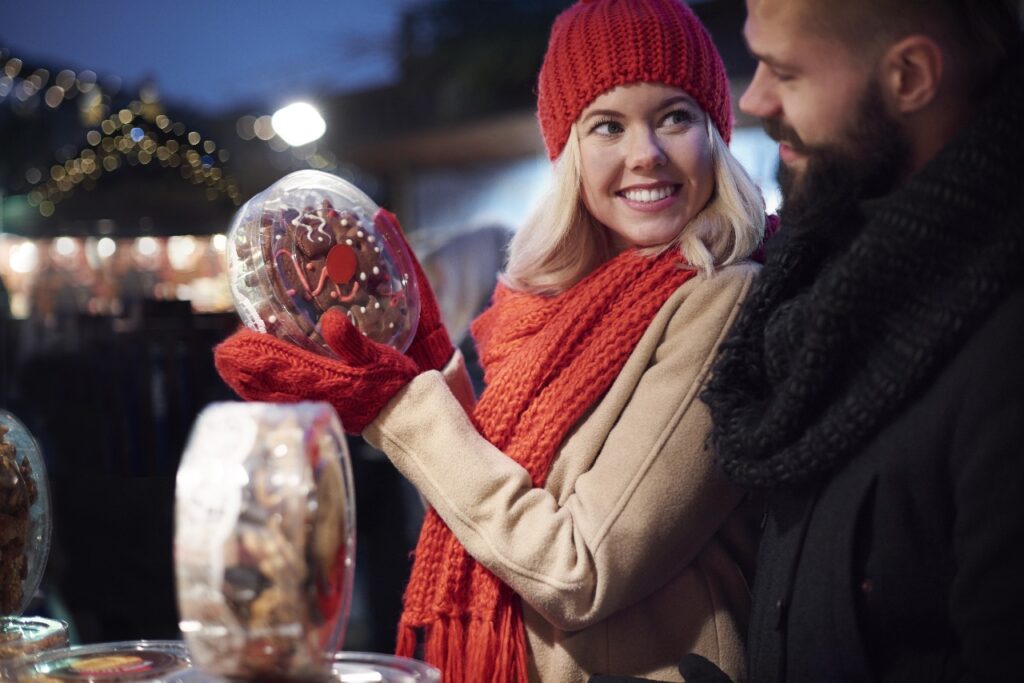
x: 299, y: 124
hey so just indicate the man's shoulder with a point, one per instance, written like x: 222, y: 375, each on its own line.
x: 1002, y: 332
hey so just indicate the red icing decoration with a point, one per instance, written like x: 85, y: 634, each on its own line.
x: 341, y: 263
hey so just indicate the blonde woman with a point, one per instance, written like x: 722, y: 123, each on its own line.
x: 577, y: 521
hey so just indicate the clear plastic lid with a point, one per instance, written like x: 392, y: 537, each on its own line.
x: 362, y: 667
x: 25, y: 507
x: 21, y: 636
x: 310, y: 242
x: 152, y: 661
x: 264, y: 541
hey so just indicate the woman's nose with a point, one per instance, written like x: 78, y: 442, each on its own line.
x: 645, y: 150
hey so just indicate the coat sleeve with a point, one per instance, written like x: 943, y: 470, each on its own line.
x: 987, y: 473
x: 456, y: 376
x: 648, y: 502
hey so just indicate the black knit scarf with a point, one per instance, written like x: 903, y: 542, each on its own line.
x: 859, y: 305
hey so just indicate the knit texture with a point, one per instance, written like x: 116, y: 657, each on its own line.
x: 858, y: 307
x: 261, y: 367
x: 597, y: 46
x: 546, y: 361
x: 431, y: 347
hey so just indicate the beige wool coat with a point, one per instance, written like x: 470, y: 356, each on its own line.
x: 633, y: 552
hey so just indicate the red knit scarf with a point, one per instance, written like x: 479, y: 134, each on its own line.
x: 547, y: 360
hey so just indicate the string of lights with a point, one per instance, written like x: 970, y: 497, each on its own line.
x: 138, y: 134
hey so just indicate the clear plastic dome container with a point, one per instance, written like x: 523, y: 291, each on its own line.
x: 25, y: 502
x: 152, y: 661
x: 264, y: 540
x: 310, y: 242
x: 22, y: 636
x: 359, y: 667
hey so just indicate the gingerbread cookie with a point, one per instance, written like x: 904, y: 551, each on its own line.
x: 312, y: 242
x: 24, y: 515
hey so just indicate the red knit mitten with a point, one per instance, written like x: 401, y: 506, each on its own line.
x: 261, y: 367
x: 431, y: 348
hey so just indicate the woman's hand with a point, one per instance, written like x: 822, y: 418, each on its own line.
x: 431, y: 348
x: 261, y: 367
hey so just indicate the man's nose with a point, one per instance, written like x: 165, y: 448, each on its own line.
x: 760, y: 99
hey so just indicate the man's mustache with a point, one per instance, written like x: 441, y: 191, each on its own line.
x: 781, y: 133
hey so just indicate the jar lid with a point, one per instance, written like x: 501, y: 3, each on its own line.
x: 25, y: 504
x: 358, y: 667
x: 21, y: 636
x: 264, y: 543
x: 149, y: 661
x: 311, y: 242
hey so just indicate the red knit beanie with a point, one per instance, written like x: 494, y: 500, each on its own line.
x: 597, y: 45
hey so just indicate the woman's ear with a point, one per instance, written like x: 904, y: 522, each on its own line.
x: 912, y: 73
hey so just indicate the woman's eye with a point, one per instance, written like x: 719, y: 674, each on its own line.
x: 678, y: 117
x: 607, y: 128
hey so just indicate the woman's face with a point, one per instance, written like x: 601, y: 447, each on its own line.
x: 645, y: 162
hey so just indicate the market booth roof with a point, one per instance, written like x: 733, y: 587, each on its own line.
x: 84, y: 156
x: 131, y: 202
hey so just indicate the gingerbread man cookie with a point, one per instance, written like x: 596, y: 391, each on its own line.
x: 314, y: 251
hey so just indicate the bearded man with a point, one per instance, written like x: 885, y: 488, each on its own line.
x: 873, y: 387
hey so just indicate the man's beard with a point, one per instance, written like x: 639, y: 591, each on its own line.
x: 868, y: 160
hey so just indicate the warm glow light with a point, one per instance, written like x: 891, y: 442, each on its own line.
x: 180, y: 250
x: 220, y: 242
x: 24, y: 257
x: 298, y: 124
x: 106, y: 247
x: 65, y: 246
x: 146, y: 246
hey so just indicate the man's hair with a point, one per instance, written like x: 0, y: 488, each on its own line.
x: 561, y: 242
x: 980, y: 35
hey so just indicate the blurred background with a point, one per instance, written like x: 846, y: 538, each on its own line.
x: 131, y: 132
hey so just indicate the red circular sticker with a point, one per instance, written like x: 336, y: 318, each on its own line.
x: 341, y: 263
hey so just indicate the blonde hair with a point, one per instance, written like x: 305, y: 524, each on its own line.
x: 561, y: 242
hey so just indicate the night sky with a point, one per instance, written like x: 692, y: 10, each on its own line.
x: 213, y: 55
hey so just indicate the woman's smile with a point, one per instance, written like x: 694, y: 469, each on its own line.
x: 652, y: 197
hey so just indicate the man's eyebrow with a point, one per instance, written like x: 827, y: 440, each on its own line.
x: 772, y: 61
x: 767, y: 59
